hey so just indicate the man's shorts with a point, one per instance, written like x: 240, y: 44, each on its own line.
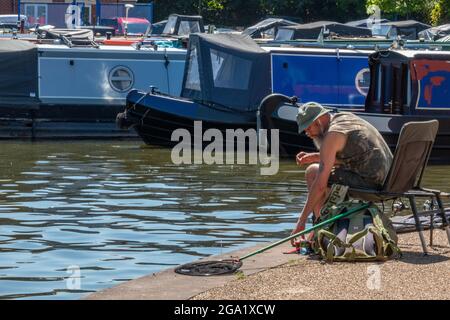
x: 351, y: 179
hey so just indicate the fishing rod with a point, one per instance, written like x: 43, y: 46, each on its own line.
x: 208, y: 268
x: 210, y: 189
x: 298, y: 184
x: 315, y: 227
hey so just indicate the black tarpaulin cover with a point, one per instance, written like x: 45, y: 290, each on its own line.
x: 256, y: 30
x: 18, y: 69
x: 435, y: 33
x: 226, y: 69
x: 408, y: 29
x: 312, y: 30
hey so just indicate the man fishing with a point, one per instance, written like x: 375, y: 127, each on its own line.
x: 351, y: 152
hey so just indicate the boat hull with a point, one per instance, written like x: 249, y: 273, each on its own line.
x: 156, y: 117
x: 36, y: 121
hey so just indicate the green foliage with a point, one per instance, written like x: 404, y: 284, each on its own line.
x: 431, y: 11
x: 247, y: 12
x: 440, y: 13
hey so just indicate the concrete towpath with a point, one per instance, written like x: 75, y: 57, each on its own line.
x: 168, y: 285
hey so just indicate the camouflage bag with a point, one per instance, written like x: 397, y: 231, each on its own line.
x: 366, y: 235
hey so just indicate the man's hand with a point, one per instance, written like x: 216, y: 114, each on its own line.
x: 303, y: 158
x: 300, y: 227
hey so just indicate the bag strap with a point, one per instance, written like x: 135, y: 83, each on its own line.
x: 390, y: 244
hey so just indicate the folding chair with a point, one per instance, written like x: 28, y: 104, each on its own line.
x: 405, y: 175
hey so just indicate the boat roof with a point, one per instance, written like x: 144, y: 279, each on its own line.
x: 315, y: 50
x: 61, y: 47
x: 420, y: 54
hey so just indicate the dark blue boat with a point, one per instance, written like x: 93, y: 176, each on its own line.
x: 404, y: 86
x: 335, y: 77
x: 226, y: 76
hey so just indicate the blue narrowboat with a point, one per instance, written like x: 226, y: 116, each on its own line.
x: 225, y: 78
x: 227, y: 75
x: 405, y: 85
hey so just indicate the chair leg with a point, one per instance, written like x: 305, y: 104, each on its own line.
x: 445, y: 223
x: 431, y: 229
x: 412, y: 202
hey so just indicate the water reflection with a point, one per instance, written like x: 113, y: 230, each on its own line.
x: 120, y: 211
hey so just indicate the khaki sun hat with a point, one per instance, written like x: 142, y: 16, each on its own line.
x: 308, y: 113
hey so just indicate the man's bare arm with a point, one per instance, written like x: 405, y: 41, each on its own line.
x: 332, y: 143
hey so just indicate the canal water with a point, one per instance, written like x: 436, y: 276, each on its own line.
x: 78, y: 217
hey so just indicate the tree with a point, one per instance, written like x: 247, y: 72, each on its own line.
x: 440, y: 14
x: 406, y: 9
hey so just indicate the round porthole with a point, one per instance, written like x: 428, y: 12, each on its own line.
x: 362, y: 81
x: 121, y: 79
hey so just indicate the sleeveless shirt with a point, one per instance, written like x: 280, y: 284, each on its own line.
x: 365, y: 152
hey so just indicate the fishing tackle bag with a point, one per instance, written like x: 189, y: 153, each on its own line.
x: 366, y: 235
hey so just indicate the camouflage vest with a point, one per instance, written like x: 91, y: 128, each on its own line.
x: 365, y: 153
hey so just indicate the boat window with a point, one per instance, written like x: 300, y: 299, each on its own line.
x: 188, y: 27
x: 170, y: 25
x: 230, y: 71
x: 121, y: 79
x: 269, y: 33
x: 408, y: 33
x: 193, y: 75
x: 137, y: 28
x: 284, y: 34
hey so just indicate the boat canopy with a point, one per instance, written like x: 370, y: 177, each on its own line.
x: 409, y: 82
x: 408, y: 29
x: 267, y: 27
x: 221, y: 68
x: 180, y: 25
x: 18, y: 70
x: 313, y: 30
x: 158, y: 27
x: 435, y: 33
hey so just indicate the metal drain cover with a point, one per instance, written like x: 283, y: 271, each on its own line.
x: 209, y: 268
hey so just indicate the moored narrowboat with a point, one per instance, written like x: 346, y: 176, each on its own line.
x: 225, y: 78
x: 404, y: 86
